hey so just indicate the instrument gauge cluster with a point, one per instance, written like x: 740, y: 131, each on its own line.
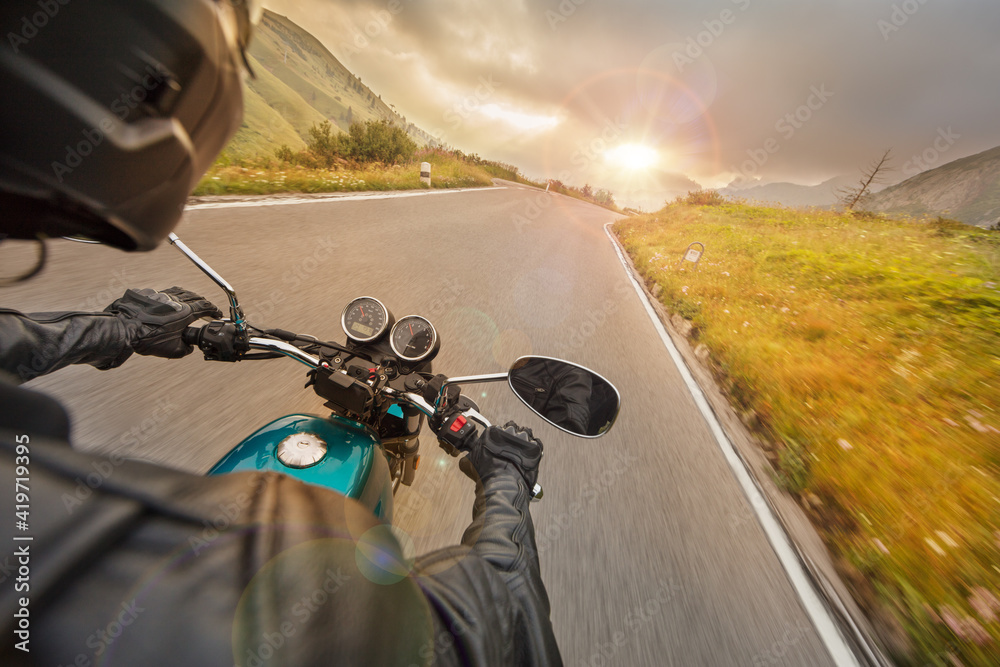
x: 366, y: 320
x: 412, y: 339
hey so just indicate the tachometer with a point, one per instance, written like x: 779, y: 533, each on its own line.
x: 413, y: 338
x: 365, y: 319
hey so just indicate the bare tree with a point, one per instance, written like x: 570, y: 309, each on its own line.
x: 874, y: 174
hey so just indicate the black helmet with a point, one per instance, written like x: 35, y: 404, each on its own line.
x: 112, y: 111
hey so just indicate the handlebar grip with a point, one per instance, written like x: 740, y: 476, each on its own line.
x: 192, y: 336
x: 281, y: 334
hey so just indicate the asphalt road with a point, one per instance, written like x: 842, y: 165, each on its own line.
x: 649, y: 551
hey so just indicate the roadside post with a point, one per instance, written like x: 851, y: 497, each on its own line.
x: 693, y: 254
x: 425, y: 173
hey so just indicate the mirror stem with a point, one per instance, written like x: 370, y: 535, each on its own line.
x: 235, y: 311
x: 469, y: 379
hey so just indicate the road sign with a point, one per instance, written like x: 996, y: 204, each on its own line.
x: 693, y: 254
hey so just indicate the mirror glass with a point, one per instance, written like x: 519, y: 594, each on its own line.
x: 574, y: 398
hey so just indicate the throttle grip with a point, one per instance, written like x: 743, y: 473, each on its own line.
x: 192, y: 335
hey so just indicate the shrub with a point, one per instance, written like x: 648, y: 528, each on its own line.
x: 379, y: 141
x: 702, y: 198
x: 604, y: 198
x: 374, y: 141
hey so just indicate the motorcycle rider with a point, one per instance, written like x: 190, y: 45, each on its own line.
x: 114, y: 109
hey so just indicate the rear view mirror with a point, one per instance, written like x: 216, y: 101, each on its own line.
x: 570, y: 397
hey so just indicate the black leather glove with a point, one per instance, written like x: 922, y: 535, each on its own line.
x: 509, y: 448
x: 156, y: 320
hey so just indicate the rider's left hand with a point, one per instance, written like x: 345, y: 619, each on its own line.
x: 156, y: 320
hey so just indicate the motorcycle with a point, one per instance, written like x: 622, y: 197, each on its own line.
x: 379, y: 389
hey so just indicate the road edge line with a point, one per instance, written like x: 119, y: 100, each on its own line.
x: 283, y: 199
x: 821, y: 616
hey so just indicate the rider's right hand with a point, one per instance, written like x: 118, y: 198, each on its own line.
x: 156, y: 320
x: 511, y: 449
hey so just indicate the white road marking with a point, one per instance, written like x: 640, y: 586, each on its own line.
x: 330, y: 197
x: 828, y: 630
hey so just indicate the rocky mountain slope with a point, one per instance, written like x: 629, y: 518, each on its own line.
x: 967, y: 190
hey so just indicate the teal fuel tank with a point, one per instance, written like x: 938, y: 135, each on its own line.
x: 332, y: 452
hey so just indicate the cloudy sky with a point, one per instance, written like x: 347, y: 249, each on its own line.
x: 779, y: 90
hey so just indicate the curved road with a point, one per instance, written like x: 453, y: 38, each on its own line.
x: 649, y: 550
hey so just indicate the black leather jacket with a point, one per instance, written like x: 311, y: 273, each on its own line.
x: 134, y: 564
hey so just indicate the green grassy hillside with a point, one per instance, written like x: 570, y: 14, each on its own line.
x: 298, y: 84
x: 264, y: 130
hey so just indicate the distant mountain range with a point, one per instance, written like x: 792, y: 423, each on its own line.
x: 789, y: 194
x: 299, y: 83
x: 967, y: 190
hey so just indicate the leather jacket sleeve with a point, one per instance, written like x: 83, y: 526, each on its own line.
x: 39, y: 343
x: 490, y: 603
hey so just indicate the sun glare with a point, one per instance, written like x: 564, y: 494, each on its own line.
x: 633, y: 156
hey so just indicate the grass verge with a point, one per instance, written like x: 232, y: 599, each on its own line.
x: 265, y: 176
x: 866, y: 353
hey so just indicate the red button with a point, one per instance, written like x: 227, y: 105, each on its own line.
x: 457, y: 425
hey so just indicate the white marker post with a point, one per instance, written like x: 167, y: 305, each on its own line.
x: 693, y: 254
x: 425, y: 173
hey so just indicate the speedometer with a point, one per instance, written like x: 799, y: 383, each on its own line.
x: 365, y: 319
x: 413, y: 338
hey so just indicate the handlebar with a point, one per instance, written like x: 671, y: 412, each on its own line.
x: 196, y: 335
x: 286, y: 349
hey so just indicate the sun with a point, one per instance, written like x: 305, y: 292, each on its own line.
x: 632, y: 156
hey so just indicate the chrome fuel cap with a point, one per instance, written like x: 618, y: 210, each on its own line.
x: 301, y: 450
